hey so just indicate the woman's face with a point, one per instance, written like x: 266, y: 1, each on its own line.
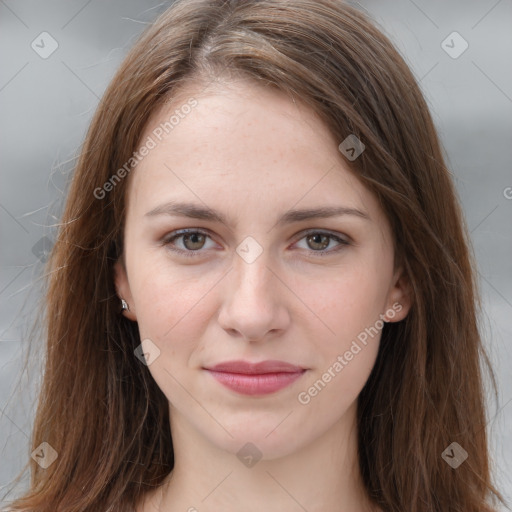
x: 260, y: 277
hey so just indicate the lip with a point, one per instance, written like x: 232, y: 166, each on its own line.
x: 256, y: 378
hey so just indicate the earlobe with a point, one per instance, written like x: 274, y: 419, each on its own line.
x: 127, y: 307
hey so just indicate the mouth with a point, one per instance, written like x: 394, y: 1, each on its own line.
x: 256, y: 378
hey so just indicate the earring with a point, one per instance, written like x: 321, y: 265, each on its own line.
x: 124, y: 305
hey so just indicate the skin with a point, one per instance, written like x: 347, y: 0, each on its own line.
x: 252, y: 153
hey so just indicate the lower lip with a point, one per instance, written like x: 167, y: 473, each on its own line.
x: 260, y: 384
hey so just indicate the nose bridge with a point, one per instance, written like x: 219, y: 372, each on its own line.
x: 253, y: 304
x: 253, y: 279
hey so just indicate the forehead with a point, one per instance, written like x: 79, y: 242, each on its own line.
x: 245, y: 138
x: 229, y: 117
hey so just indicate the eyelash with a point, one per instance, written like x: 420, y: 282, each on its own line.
x: 192, y: 254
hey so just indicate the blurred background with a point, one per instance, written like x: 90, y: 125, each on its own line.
x: 57, y: 59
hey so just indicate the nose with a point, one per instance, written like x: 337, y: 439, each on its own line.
x: 255, y: 304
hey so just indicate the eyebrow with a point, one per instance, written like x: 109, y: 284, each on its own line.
x: 196, y: 211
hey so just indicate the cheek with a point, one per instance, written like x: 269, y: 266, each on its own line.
x: 173, y: 312
x: 168, y: 299
x: 348, y: 302
x: 350, y: 308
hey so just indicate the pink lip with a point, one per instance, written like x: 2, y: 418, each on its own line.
x: 256, y: 378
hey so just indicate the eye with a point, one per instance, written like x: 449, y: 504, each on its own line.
x: 318, y: 242
x: 192, y: 241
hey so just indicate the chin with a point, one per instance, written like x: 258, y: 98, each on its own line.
x: 266, y: 437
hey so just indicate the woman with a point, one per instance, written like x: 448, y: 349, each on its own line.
x: 261, y: 296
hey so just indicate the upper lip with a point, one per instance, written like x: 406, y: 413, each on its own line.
x: 245, y: 367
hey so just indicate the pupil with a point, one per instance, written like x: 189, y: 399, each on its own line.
x: 316, y: 241
x: 194, y: 239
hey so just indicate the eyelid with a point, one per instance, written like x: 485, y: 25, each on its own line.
x: 334, y: 234
x: 341, y: 239
x: 173, y: 235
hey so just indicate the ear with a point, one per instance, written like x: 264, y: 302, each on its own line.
x: 123, y: 289
x: 400, y: 298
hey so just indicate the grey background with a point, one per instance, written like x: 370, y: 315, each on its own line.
x: 47, y: 104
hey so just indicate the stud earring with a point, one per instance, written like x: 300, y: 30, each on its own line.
x: 124, y: 305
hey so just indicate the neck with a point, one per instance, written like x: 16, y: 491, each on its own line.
x: 322, y: 476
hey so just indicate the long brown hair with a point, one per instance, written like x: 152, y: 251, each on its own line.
x: 100, y: 408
